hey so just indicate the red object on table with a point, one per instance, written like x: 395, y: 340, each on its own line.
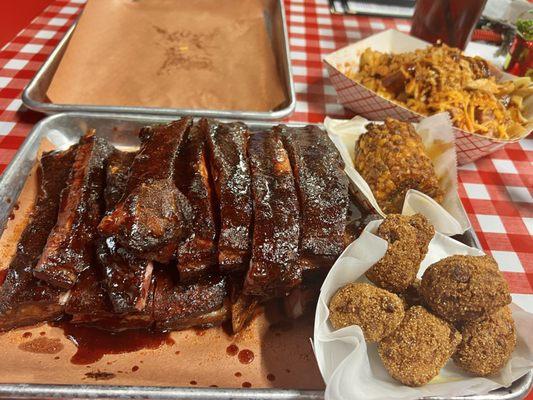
x: 487, y: 36
x: 16, y: 15
x: 519, y: 61
x: 449, y: 21
x: 496, y: 190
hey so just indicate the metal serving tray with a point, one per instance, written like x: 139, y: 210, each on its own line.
x: 65, y: 129
x: 34, y: 95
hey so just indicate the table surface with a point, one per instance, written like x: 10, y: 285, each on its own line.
x: 496, y: 190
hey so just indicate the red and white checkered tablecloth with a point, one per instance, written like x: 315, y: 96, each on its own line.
x: 496, y: 191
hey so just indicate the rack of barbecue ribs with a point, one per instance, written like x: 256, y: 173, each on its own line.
x: 197, y: 254
x: 273, y: 267
x: 127, y: 278
x: 230, y: 172
x: 69, y: 248
x: 321, y: 187
x: 24, y: 299
x: 206, y: 221
x: 153, y: 216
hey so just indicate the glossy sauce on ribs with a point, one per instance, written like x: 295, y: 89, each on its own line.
x: 265, y: 208
x: 273, y: 268
x: 24, y: 299
x: 181, y: 306
x: 117, y: 173
x: 197, y: 254
x: 230, y: 172
x: 126, y: 277
x: 70, y: 247
x: 322, y: 188
x: 152, y: 217
x: 88, y: 301
x: 89, y: 305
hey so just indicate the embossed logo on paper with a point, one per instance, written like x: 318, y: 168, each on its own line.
x: 186, y: 50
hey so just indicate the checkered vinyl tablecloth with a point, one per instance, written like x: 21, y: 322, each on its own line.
x: 496, y: 191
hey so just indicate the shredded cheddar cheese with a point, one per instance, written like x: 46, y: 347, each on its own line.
x: 441, y: 78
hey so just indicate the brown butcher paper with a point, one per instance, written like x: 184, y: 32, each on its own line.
x: 282, y: 353
x: 202, y: 54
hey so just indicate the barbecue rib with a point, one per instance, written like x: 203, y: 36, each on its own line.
x: 88, y: 300
x: 126, y: 277
x: 273, y: 269
x: 69, y: 248
x: 300, y: 299
x: 197, y: 254
x: 231, y: 177
x: 89, y: 305
x: 180, y: 306
x: 242, y: 306
x: 152, y: 217
x: 322, y: 188
x: 117, y: 172
x: 25, y: 300
x: 170, y: 305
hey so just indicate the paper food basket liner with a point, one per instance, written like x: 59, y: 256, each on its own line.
x: 352, y: 368
x: 365, y: 102
x: 172, y: 54
x: 436, y: 134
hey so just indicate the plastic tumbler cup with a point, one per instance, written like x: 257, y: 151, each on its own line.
x: 450, y: 21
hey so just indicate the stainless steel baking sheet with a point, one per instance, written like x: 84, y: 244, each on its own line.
x: 64, y: 129
x: 34, y: 95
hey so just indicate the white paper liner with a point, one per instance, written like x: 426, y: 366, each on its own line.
x: 437, y: 136
x: 352, y: 369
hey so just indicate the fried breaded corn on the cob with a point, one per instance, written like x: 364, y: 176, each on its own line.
x: 392, y: 159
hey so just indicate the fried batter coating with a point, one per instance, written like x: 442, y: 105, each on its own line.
x: 463, y: 288
x: 392, y: 159
x: 375, y: 310
x: 416, y: 351
x: 487, y: 343
x: 424, y: 232
x: 408, y: 238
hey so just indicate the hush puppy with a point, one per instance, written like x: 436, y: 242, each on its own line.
x: 463, y: 288
x: 408, y: 238
x: 487, y: 343
x: 417, y: 350
x: 375, y: 310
